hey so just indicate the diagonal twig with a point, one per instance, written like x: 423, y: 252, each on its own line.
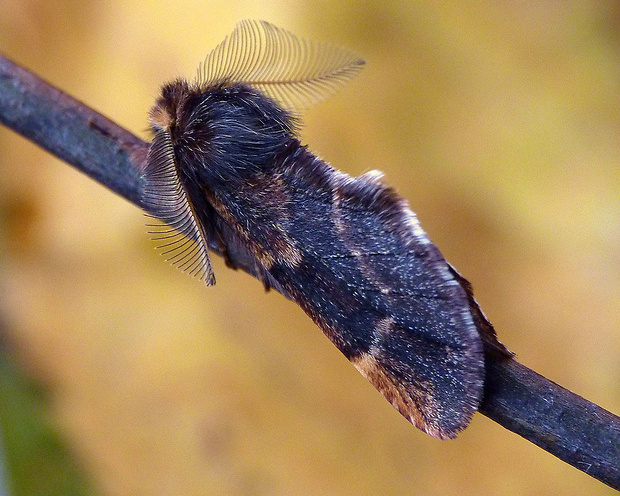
x: 559, y: 421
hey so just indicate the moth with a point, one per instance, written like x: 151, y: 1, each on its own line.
x: 226, y: 169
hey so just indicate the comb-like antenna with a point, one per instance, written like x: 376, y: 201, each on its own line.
x: 184, y: 242
x: 294, y: 71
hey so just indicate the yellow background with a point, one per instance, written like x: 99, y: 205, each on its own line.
x: 498, y: 121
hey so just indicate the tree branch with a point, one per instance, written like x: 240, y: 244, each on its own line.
x: 560, y: 422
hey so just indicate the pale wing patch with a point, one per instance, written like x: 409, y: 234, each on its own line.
x: 184, y: 242
x: 415, y: 403
x: 294, y: 71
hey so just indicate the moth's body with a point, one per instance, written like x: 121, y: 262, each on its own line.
x: 347, y: 250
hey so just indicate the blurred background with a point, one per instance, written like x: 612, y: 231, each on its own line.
x: 498, y: 121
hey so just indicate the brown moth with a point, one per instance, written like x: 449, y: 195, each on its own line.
x: 226, y: 169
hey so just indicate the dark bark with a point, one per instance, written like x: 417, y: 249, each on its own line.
x: 554, y: 418
x: 560, y: 422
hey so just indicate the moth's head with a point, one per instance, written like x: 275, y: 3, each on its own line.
x: 167, y: 109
